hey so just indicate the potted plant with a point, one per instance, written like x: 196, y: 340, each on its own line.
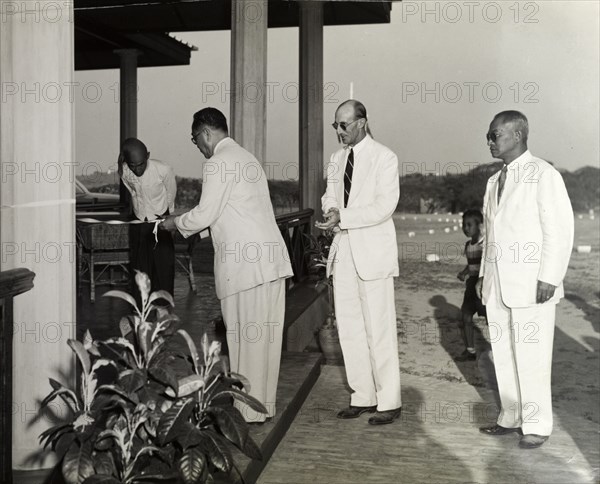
x: 317, y: 253
x: 146, y: 411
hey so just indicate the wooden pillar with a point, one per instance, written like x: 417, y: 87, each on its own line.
x: 312, y: 184
x: 37, y: 216
x: 248, y: 111
x: 128, y: 90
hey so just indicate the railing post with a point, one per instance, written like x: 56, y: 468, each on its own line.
x: 12, y: 283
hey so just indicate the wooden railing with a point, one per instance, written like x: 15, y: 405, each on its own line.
x: 12, y: 283
x: 292, y: 226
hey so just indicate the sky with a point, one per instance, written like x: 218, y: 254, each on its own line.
x: 431, y: 81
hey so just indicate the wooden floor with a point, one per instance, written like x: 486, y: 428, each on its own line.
x: 436, y: 440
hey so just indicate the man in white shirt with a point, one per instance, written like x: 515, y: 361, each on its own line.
x: 153, y: 188
x: 251, y: 259
x: 529, y: 238
x: 362, y: 193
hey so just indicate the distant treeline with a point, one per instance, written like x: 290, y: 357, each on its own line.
x: 284, y: 193
x: 418, y: 193
x: 459, y: 192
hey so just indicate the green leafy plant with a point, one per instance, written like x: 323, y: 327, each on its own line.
x: 156, y: 413
x: 317, y: 253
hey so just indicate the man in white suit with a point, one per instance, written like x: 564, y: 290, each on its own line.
x: 361, y: 196
x: 529, y: 238
x: 251, y: 259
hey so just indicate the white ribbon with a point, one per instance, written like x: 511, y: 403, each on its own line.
x: 122, y: 222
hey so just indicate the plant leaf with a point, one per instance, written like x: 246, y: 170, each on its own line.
x: 68, y: 396
x: 101, y: 479
x: 231, y: 424
x: 132, y: 380
x: 104, y: 463
x: 148, y: 449
x: 63, y: 444
x: 125, y: 326
x: 189, y: 436
x: 122, y: 295
x: 77, y: 464
x: 115, y: 389
x: 81, y: 353
x: 187, y: 386
x: 164, y: 376
x: 218, y: 451
x: 242, y: 397
x: 192, y: 347
x: 242, y: 379
x: 191, y: 465
x: 173, y: 419
x: 162, y: 294
x: 251, y: 449
x: 100, y: 362
x: 88, y: 341
x: 53, y: 433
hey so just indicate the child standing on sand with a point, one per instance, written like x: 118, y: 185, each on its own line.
x: 472, y: 222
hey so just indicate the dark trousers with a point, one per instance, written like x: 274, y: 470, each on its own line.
x: 155, y: 259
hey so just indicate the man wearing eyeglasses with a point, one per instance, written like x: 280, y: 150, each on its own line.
x: 251, y: 259
x: 529, y: 237
x: 362, y: 194
x: 153, y: 188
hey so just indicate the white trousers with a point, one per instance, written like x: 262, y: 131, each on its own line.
x: 366, y: 319
x: 522, y: 340
x: 254, y: 321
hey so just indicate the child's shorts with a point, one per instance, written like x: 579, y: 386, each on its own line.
x: 471, y: 302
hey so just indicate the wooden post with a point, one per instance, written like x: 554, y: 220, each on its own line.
x: 12, y: 283
x: 248, y: 113
x: 128, y: 90
x: 312, y: 184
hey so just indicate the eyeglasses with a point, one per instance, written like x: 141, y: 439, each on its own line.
x: 492, y: 137
x: 343, y: 124
x: 194, y: 136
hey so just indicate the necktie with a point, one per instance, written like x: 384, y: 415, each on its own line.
x: 348, y: 176
x: 501, y: 181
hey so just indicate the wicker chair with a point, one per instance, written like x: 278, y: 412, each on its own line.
x: 98, y: 244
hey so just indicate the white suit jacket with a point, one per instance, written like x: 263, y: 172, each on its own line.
x: 529, y: 234
x: 368, y: 217
x: 235, y: 204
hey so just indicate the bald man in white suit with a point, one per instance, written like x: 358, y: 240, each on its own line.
x: 529, y: 238
x: 362, y: 194
x: 251, y: 259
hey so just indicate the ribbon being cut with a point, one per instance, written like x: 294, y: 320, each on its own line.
x: 123, y: 222
x: 203, y: 233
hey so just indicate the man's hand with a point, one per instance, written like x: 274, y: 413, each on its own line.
x: 462, y: 275
x: 479, y: 287
x: 168, y: 224
x: 332, y: 218
x: 545, y: 291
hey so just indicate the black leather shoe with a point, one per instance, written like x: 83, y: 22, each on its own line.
x: 385, y: 417
x: 498, y: 430
x: 466, y: 356
x: 355, y: 412
x: 532, y: 441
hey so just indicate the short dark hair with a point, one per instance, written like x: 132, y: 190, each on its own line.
x: 517, y: 119
x: 473, y: 213
x: 211, y: 117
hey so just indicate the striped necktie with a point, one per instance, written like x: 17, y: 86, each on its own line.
x: 348, y: 176
x: 501, y: 181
